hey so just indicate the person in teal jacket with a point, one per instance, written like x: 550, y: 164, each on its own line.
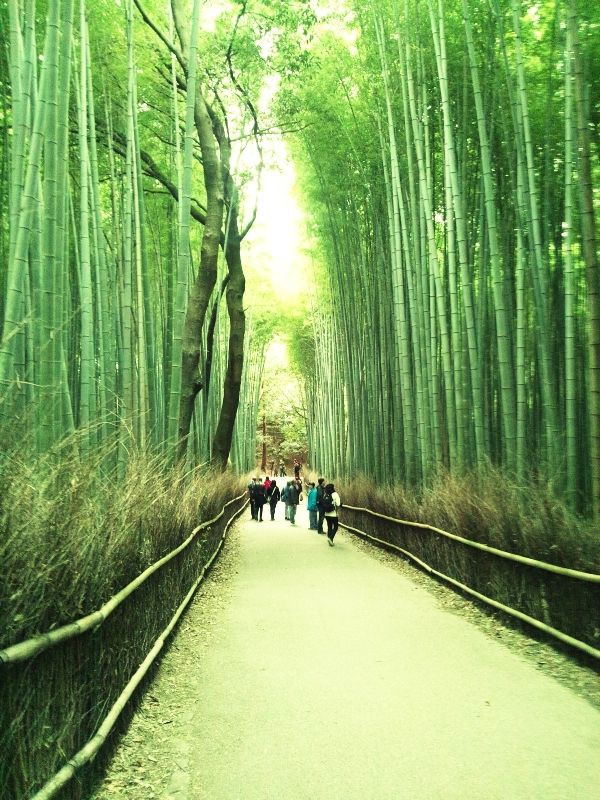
x: 312, y: 507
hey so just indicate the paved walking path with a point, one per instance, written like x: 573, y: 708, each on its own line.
x: 329, y: 675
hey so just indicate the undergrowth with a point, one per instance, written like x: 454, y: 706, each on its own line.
x: 73, y: 532
x: 486, y: 506
x: 489, y: 508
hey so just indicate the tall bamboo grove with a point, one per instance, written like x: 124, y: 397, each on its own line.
x: 121, y: 283
x: 448, y: 156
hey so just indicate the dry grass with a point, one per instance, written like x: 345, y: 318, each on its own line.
x: 487, y: 507
x: 72, y: 533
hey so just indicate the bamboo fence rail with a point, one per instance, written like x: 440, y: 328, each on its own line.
x: 529, y: 562
x: 36, y: 644
x: 93, y: 745
x: 592, y: 577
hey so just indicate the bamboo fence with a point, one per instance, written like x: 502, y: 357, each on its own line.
x: 93, y: 745
x: 525, y: 588
x: 64, y: 691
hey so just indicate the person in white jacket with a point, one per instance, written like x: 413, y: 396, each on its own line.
x: 330, y: 504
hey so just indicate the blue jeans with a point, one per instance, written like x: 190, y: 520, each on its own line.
x: 312, y: 520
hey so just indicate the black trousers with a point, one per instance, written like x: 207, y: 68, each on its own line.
x: 252, y: 508
x: 259, y: 508
x: 273, y: 506
x: 320, y: 522
x: 332, y: 526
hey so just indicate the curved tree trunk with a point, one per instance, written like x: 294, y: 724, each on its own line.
x: 199, y: 298
x: 235, y: 355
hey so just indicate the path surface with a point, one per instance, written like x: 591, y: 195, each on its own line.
x: 324, y: 674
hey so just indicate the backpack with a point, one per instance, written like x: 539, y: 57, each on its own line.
x: 327, y: 503
x: 260, y: 494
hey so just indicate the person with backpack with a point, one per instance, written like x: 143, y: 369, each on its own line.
x: 274, y: 498
x: 320, y: 492
x: 311, y: 506
x: 330, y: 504
x: 260, y: 498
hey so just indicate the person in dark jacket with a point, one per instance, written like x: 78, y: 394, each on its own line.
x: 274, y: 498
x: 260, y: 498
x: 292, y: 500
x: 321, y: 511
x: 331, y: 504
x: 251, y: 495
x: 284, y: 497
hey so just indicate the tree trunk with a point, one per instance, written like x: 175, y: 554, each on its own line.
x: 235, y: 356
x: 199, y: 299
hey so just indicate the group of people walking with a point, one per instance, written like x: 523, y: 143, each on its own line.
x: 262, y: 493
x: 323, y: 502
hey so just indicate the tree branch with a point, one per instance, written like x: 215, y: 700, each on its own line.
x: 171, y: 46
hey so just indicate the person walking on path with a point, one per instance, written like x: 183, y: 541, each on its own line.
x: 311, y: 506
x: 251, y: 495
x: 331, y: 502
x: 293, y: 498
x: 284, y: 497
x: 281, y: 469
x: 321, y: 512
x: 269, y: 484
x: 297, y: 468
x: 260, y: 498
x: 274, y: 498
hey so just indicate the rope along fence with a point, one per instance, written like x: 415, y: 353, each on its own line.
x: 559, y: 601
x: 62, y: 692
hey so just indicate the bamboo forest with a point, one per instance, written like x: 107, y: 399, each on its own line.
x: 362, y: 234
